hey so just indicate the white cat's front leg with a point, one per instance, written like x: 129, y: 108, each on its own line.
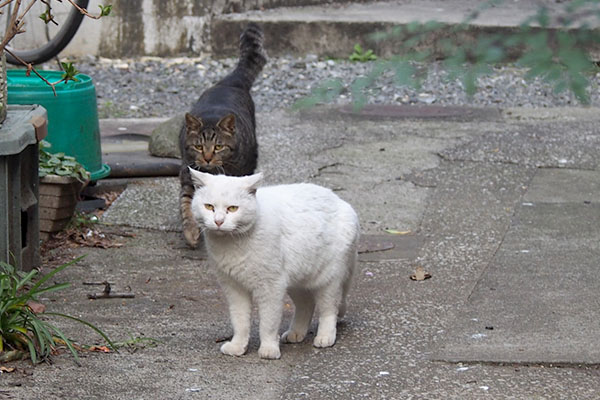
x: 270, y: 308
x: 240, y: 309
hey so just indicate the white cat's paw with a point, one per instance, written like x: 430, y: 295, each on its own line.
x: 292, y: 337
x: 233, y: 349
x: 269, y: 351
x: 324, y: 341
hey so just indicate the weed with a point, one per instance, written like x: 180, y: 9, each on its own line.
x: 134, y: 343
x: 361, y: 55
x: 21, y: 329
x: 60, y: 164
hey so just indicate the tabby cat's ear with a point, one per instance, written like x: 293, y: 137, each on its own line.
x: 253, y: 182
x: 199, y: 178
x: 227, y: 124
x: 193, y: 123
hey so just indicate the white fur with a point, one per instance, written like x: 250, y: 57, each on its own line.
x: 300, y: 239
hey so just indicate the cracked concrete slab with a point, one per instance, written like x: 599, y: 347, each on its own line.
x: 373, y: 175
x: 550, y: 143
x: 537, y: 301
x: 323, y: 148
x: 473, y: 218
x: 564, y: 186
x: 147, y: 203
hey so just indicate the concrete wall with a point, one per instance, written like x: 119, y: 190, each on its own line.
x: 160, y: 27
x: 144, y: 27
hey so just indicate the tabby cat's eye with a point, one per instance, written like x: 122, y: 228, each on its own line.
x: 198, y: 147
x: 209, y: 207
x: 218, y: 147
x: 232, y: 208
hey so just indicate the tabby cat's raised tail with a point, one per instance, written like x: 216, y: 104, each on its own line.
x: 219, y: 133
x: 252, y: 58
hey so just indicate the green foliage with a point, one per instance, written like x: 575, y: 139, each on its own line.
x: 46, y: 16
x: 134, y: 343
x: 23, y: 330
x: 559, y: 55
x: 60, y: 164
x: 361, y: 55
x: 105, y: 10
x: 69, y: 72
x: 82, y: 220
x: 327, y: 92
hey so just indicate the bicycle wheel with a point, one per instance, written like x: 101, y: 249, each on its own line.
x: 40, y: 42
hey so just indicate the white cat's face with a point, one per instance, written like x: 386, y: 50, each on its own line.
x: 224, y: 204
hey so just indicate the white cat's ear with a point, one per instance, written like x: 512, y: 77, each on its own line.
x: 253, y: 182
x: 199, y: 178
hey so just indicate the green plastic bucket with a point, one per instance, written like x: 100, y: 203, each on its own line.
x: 73, y: 126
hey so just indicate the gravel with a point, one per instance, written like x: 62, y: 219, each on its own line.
x: 161, y: 87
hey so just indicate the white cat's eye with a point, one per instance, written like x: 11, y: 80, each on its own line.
x: 232, y: 208
x: 209, y: 207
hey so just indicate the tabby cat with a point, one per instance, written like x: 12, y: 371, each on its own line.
x: 218, y: 135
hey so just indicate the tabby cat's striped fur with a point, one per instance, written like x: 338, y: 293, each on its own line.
x: 219, y: 132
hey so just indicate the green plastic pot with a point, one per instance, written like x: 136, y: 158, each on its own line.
x: 73, y: 126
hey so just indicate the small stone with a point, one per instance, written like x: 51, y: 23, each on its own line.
x: 164, y: 140
x: 426, y: 98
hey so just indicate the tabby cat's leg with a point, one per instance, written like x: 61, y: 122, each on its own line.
x: 304, y: 307
x: 190, y: 227
x: 240, y: 309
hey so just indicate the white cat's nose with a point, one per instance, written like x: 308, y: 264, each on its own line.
x: 219, y: 222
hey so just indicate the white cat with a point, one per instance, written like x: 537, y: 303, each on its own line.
x: 265, y: 242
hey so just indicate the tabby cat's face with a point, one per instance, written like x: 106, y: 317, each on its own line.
x: 209, y: 147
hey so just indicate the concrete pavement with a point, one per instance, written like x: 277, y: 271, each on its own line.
x: 501, y: 208
x: 503, y: 212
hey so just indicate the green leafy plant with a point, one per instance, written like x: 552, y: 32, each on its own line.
x: 361, y: 55
x: 82, y: 220
x: 105, y: 10
x: 551, y: 47
x: 60, y: 164
x: 23, y: 331
x: 69, y: 72
x: 46, y: 16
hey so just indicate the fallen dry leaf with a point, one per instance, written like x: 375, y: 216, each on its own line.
x: 397, y: 232
x: 420, y: 274
x: 100, y: 349
x: 36, y: 308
